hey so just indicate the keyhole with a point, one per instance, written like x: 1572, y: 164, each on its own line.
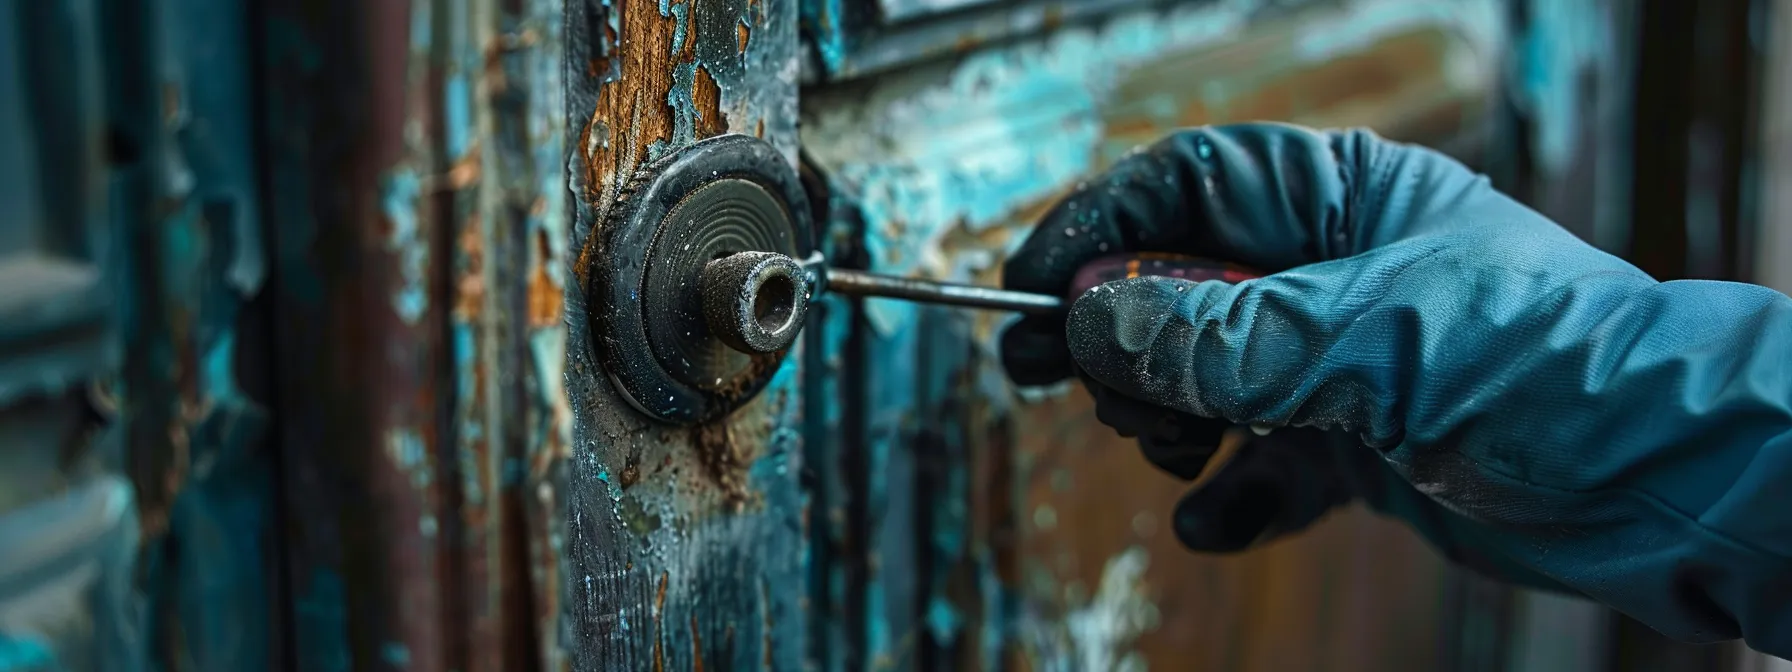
x: 774, y: 303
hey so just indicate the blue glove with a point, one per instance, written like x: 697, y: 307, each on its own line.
x: 1536, y: 406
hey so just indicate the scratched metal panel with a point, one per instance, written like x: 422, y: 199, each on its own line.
x: 682, y: 549
x: 1007, y: 528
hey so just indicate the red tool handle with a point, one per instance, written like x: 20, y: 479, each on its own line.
x: 1130, y: 265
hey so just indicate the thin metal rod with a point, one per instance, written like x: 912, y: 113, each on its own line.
x: 859, y: 283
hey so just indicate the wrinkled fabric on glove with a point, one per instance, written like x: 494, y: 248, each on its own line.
x: 1537, y: 408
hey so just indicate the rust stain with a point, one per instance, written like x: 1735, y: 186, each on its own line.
x: 756, y: 367
x: 659, y: 601
x: 743, y: 33
x: 631, y: 470
x: 631, y: 112
x: 492, y: 56
x: 765, y: 612
x: 696, y: 646
x: 659, y: 637
x: 171, y: 104
x: 545, y: 558
x: 466, y: 169
x: 725, y: 458
x: 469, y: 294
x: 546, y: 298
x: 706, y: 98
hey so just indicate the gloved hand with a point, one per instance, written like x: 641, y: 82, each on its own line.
x: 1535, y: 406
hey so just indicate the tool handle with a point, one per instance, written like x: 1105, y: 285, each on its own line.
x: 1131, y: 265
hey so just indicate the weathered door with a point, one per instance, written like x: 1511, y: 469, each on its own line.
x: 297, y: 339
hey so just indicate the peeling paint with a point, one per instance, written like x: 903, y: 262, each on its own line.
x: 406, y: 449
x: 398, y: 200
x: 25, y: 653
x: 1561, y: 41
x: 1119, y: 612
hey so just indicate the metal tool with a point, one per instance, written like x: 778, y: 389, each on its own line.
x: 1103, y: 270
x: 860, y: 283
x: 754, y: 301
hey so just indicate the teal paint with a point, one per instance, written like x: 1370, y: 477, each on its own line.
x: 396, y: 654
x: 410, y: 455
x: 320, y: 605
x: 422, y: 28
x: 943, y: 619
x: 998, y: 601
x: 469, y: 420
x: 680, y: 13
x: 457, y: 116
x: 207, y: 568
x: 1561, y: 41
x: 19, y: 654
x: 399, y: 193
x: 824, y: 24
x: 217, y: 373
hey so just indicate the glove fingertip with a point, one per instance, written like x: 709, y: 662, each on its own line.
x: 1113, y: 330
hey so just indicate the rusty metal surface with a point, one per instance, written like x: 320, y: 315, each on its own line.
x: 1008, y: 528
x: 682, y: 549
